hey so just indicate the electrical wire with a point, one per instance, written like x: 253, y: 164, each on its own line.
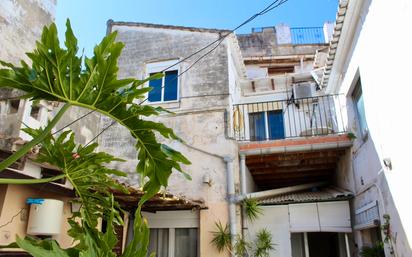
x: 267, y: 9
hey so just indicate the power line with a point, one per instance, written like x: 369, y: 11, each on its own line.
x: 267, y: 9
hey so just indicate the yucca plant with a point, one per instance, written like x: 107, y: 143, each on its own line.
x: 242, y: 247
x: 221, y: 237
x: 263, y: 244
x: 252, y: 208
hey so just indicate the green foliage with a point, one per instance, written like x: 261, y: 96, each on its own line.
x: 93, y: 184
x: 86, y: 171
x: 374, y: 251
x: 263, y: 244
x: 252, y: 208
x: 351, y: 136
x: 56, y: 74
x: 260, y: 247
x: 242, y: 246
x: 221, y: 238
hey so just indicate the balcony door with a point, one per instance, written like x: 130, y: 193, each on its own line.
x: 267, y: 125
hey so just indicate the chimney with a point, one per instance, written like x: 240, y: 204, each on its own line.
x: 328, y: 28
x: 283, y: 34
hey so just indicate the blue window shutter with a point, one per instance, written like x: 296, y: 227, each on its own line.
x: 276, y: 127
x: 257, y: 126
x: 155, y: 95
x: 170, y: 90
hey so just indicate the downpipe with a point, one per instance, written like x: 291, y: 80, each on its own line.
x: 231, y: 199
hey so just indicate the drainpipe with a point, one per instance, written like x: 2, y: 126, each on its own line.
x: 243, y: 189
x: 242, y: 174
x: 231, y: 198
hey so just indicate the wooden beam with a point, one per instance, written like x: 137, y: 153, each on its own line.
x: 293, y: 175
x: 293, y: 156
x: 293, y: 169
x: 276, y: 164
x: 267, y: 183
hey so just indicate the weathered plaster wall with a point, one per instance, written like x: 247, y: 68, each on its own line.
x: 21, y: 23
x: 199, y: 117
x: 386, y: 99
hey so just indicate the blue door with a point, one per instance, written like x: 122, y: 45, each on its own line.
x: 257, y: 126
x: 276, y: 127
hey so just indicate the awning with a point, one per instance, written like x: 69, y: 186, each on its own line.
x: 160, y: 202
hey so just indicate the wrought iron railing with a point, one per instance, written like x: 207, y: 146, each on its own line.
x: 304, y: 117
x: 307, y: 35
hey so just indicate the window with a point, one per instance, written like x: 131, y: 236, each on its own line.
x: 35, y: 111
x: 184, y: 245
x: 360, y: 108
x: 13, y: 106
x: 319, y: 244
x: 266, y: 125
x: 166, y: 88
x: 159, y: 242
x: 172, y: 233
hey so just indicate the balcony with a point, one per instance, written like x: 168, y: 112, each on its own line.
x: 291, y: 142
x: 293, y: 118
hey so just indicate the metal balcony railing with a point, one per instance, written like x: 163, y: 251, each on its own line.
x: 304, y: 117
x: 307, y: 35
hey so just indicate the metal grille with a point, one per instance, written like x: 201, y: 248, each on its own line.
x: 304, y: 117
x: 309, y: 35
x: 367, y: 216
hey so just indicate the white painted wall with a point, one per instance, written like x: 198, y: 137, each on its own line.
x: 282, y: 220
x: 380, y: 53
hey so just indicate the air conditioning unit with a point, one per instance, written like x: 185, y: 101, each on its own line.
x: 303, y: 90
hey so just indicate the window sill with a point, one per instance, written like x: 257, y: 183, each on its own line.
x: 167, y: 105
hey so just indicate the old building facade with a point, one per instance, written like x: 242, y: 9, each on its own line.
x: 292, y: 117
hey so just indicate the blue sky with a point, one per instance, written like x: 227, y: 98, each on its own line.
x: 88, y: 17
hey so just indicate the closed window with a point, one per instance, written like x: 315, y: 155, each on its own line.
x: 360, y: 108
x: 172, y: 233
x: 266, y: 125
x: 182, y: 242
x: 165, y: 89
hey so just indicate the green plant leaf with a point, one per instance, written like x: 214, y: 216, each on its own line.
x: 221, y: 237
x: 263, y: 243
x: 252, y: 208
x: 57, y: 74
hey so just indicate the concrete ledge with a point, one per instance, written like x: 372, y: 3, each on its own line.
x: 295, y: 145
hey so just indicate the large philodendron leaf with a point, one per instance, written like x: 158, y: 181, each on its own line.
x: 86, y: 171
x: 57, y: 74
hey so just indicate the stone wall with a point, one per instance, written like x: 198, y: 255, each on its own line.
x: 21, y: 23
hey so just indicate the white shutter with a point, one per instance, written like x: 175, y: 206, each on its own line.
x: 320, y: 217
x: 334, y: 217
x: 304, y: 217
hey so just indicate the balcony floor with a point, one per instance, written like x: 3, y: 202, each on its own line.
x: 295, y: 144
x: 288, y: 162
